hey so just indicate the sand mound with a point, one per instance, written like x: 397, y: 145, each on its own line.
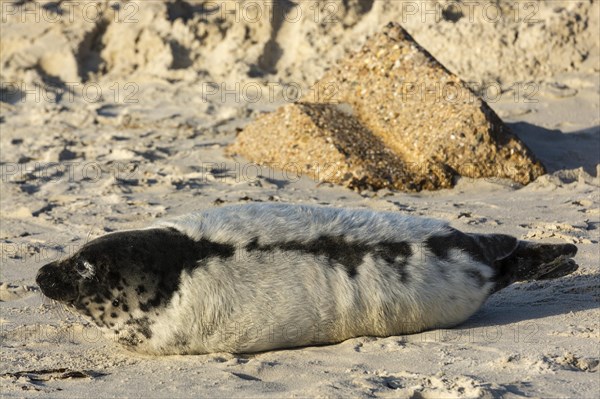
x: 421, y: 123
x: 329, y: 144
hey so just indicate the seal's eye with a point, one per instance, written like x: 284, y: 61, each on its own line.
x: 80, y: 266
x: 84, y: 268
x: 115, y: 303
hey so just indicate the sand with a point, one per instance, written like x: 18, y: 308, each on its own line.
x: 178, y: 80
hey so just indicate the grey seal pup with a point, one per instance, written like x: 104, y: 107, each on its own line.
x: 257, y: 277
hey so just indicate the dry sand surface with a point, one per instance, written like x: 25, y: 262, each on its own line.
x: 114, y: 114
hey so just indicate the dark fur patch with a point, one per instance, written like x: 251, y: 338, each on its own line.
x: 252, y: 245
x: 440, y: 245
x: 152, y: 303
x: 396, y: 255
x: 129, y: 339
x: 113, y: 278
x: 402, y: 270
x: 144, y: 329
x: 83, y: 309
x: 495, y: 246
x: 488, y: 249
x: 142, y: 326
x: 339, y: 251
x: 155, y: 249
x: 162, y: 254
x: 484, y: 248
x: 390, y: 251
x: 477, y: 276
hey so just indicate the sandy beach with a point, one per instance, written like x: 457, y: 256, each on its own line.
x: 114, y: 114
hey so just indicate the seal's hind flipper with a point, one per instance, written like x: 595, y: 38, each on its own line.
x: 559, y: 267
x: 534, y: 261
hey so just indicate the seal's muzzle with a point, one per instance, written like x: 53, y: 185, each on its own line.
x: 55, y: 283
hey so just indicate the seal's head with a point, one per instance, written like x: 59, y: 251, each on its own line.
x: 122, y: 280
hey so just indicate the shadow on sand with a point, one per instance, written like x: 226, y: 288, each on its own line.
x: 511, y: 305
x: 558, y: 150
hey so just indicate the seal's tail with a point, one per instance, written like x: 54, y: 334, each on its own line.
x: 534, y: 261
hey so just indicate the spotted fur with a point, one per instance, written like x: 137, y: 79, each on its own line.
x: 256, y: 277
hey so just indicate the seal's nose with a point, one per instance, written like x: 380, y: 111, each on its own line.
x: 55, y: 283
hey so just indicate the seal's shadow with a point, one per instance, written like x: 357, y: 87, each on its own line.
x: 569, y: 294
x: 558, y: 150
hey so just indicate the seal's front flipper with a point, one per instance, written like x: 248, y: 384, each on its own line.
x: 535, y: 261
